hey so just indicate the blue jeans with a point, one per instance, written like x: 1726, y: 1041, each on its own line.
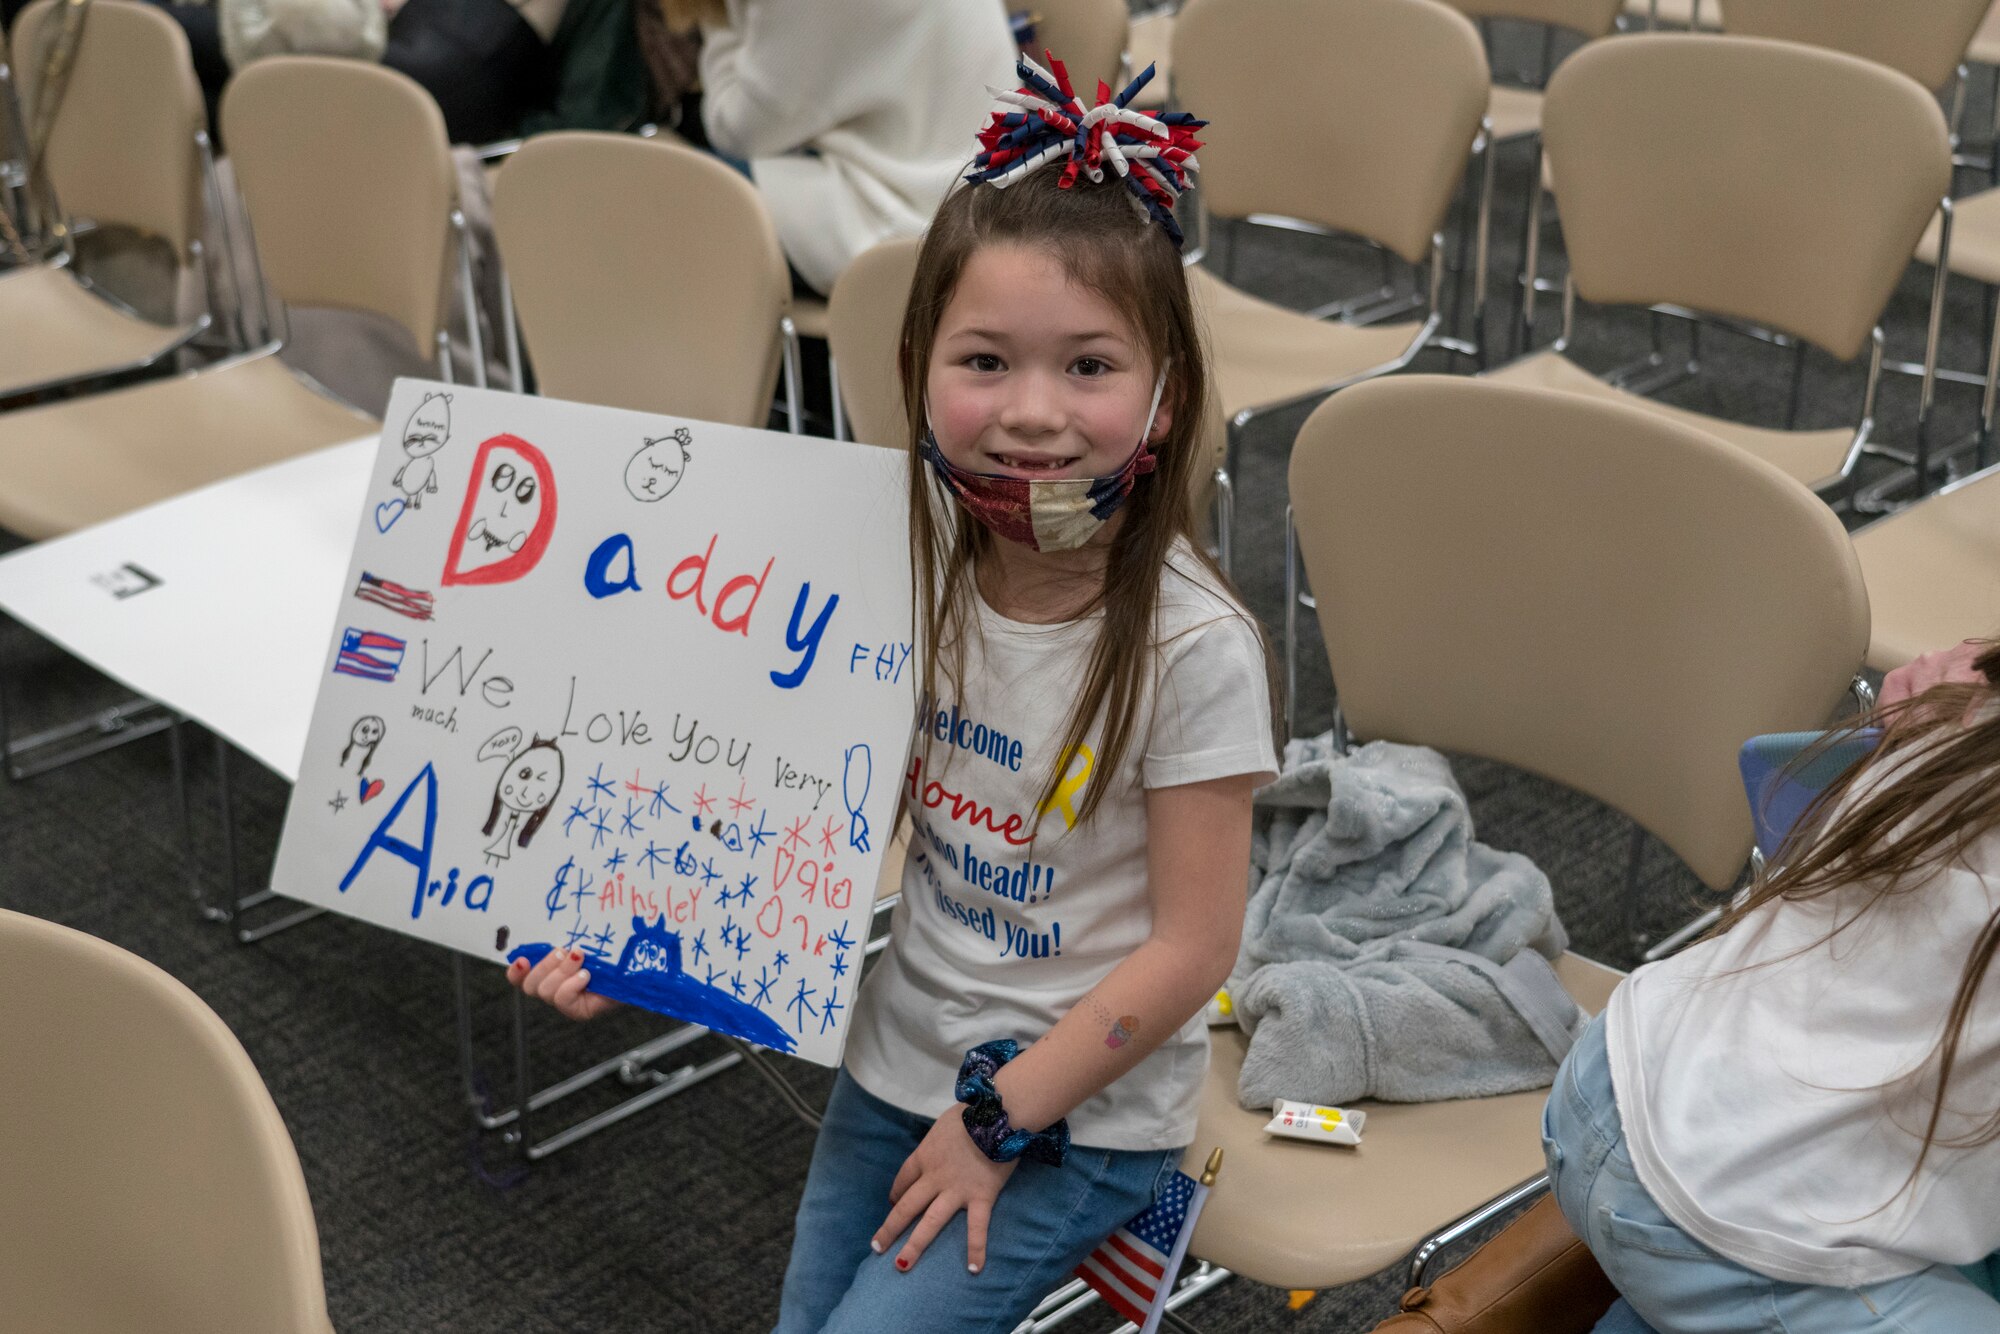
x: 1670, y: 1281
x: 1045, y: 1222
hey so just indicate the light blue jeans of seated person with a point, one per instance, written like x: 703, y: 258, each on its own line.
x: 1675, y: 1285
x: 1045, y: 1222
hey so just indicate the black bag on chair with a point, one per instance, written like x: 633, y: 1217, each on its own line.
x: 479, y: 58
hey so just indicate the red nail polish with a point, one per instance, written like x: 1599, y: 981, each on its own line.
x: 902, y: 1264
x: 575, y: 957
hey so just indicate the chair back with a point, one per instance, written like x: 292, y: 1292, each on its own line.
x: 123, y: 147
x: 647, y: 275
x: 1574, y: 587
x: 346, y: 173
x: 1353, y: 114
x: 1927, y: 42
x: 1088, y: 36
x: 146, y: 1178
x: 1816, y: 175
x: 1592, y: 18
x: 864, y: 332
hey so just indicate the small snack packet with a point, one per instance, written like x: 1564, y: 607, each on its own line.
x: 1221, y: 1010
x: 1324, y: 1125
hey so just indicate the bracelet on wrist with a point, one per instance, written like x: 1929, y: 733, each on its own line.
x: 986, y: 1119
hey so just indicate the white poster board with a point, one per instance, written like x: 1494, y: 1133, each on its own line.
x: 620, y: 684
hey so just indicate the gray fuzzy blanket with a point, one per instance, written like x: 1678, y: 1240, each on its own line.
x: 1386, y: 953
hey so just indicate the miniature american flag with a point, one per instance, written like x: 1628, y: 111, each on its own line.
x: 1135, y: 1267
x: 411, y: 602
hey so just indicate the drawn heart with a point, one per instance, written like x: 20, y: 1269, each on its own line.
x: 370, y: 791
x: 388, y: 512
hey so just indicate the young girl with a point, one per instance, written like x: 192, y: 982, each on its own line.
x: 1795, y: 1124
x: 1024, y: 1064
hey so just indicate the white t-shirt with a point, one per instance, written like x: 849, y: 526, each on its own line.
x: 1749, y: 1073
x: 994, y: 939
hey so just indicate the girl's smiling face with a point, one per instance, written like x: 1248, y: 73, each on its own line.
x: 1035, y: 376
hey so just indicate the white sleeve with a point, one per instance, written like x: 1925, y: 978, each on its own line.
x: 779, y: 76
x: 1212, y: 710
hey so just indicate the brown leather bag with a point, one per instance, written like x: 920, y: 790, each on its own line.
x: 1533, y: 1277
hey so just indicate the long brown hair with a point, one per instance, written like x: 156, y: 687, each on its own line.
x: 1108, y: 247
x: 1945, y: 745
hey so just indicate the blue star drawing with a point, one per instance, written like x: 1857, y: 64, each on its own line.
x: 742, y: 943
x: 801, y: 1005
x: 599, y: 831
x: 615, y: 860
x: 652, y: 858
x: 713, y: 973
x: 763, y: 988
x: 603, y: 941
x: 780, y: 962
x: 826, y: 1011
x: 728, y: 929
x: 736, y: 985
x: 701, y: 946
x: 577, y: 812
x: 840, y: 964
x: 760, y: 835
x: 742, y: 891
x: 657, y: 801
x: 629, y: 824
x: 577, y: 935
x: 598, y: 784
x: 839, y: 938
x: 709, y: 875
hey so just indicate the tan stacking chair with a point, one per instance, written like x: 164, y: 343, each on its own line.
x: 1794, y: 221
x: 1089, y: 37
x: 128, y: 147
x: 1149, y: 40
x: 1577, y: 588
x: 1929, y: 47
x: 1933, y: 571
x: 865, y: 329
x: 1349, y: 117
x: 147, y: 1181
x: 347, y: 178
x: 646, y: 275
x: 1515, y: 111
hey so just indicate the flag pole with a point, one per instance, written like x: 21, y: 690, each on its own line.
x: 1207, y: 1179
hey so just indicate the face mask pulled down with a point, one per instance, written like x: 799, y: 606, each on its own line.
x: 1045, y: 514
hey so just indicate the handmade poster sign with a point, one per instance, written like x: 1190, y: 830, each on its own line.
x: 619, y: 684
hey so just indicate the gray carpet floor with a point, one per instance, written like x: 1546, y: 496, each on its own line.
x: 680, y: 1219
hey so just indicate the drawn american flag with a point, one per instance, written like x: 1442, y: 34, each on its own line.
x: 372, y: 656
x: 411, y: 602
x: 1134, y: 1269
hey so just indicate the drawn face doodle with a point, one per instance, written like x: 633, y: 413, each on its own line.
x: 429, y: 424
x: 505, y: 509
x: 367, y: 731
x: 658, y: 466
x: 532, y: 779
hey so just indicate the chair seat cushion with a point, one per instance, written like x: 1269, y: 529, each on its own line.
x: 1295, y: 1214
x: 1813, y: 457
x: 1514, y: 111
x: 54, y: 329
x: 1933, y: 572
x: 1266, y: 355
x: 1975, y: 237
x: 79, y: 462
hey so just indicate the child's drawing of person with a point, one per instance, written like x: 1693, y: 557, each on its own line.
x: 425, y: 434
x: 522, y: 798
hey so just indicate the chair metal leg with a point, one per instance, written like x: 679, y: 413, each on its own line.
x: 790, y: 333
x: 1225, y: 521
x: 840, y: 431
x: 1522, y: 339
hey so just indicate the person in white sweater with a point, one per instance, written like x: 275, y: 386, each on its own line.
x: 1795, y: 1124
x: 852, y: 114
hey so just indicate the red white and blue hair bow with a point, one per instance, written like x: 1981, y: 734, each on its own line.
x: 1151, y: 152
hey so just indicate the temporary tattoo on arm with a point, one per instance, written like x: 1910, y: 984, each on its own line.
x: 1121, y: 1030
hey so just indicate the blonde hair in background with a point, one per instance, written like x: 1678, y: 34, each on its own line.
x: 687, y: 15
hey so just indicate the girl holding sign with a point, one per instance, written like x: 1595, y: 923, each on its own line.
x: 1024, y: 1064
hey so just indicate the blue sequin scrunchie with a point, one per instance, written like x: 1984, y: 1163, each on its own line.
x: 986, y: 1120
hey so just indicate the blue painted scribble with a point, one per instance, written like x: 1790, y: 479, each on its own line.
x: 648, y: 974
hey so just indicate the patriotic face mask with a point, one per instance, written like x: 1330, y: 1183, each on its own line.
x: 1045, y: 514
